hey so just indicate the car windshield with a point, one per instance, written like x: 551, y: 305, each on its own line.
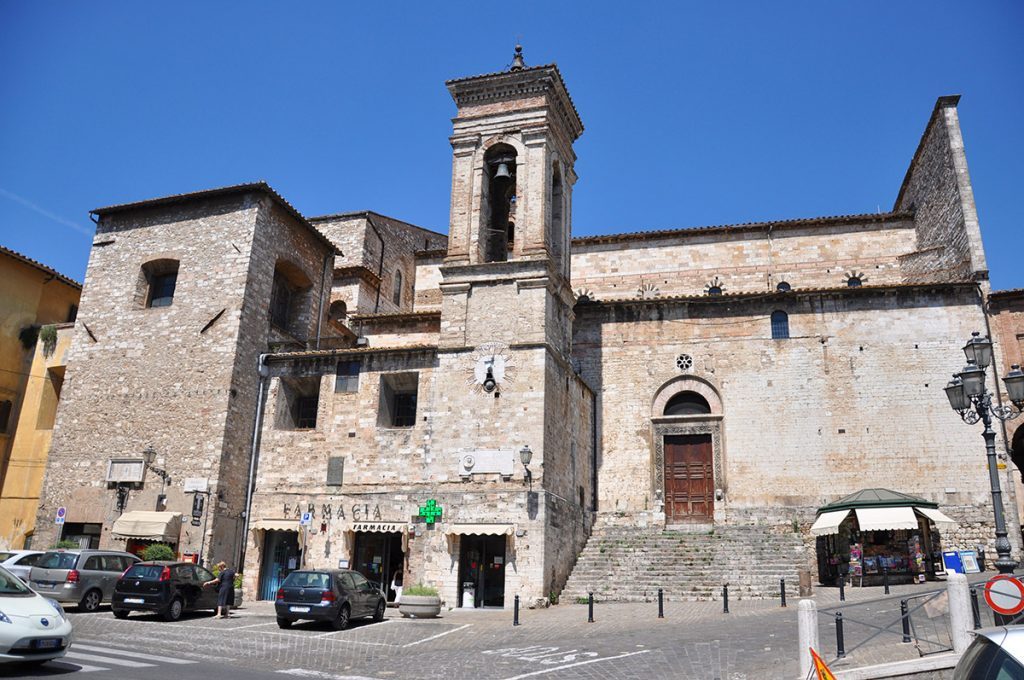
x: 4, y: 556
x: 307, y: 579
x: 58, y: 560
x: 144, y: 572
x: 11, y: 584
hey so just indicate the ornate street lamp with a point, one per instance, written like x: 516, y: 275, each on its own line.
x: 968, y: 396
x: 525, y: 456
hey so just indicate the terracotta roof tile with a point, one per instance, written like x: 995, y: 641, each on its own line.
x: 40, y: 266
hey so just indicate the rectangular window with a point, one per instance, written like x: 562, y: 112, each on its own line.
x: 347, y: 378
x: 161, y: 289
x: 398, y: 392
x: 297, y: 402
x: 305, y: 412
x: 280, y: 302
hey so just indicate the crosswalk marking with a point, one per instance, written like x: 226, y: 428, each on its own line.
x: 107, y: 659
x: 76, y: 667
x: 131, y: 653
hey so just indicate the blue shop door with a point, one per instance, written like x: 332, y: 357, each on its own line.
x: 280, y: 558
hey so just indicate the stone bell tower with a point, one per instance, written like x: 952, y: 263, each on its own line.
x: 511, y: 206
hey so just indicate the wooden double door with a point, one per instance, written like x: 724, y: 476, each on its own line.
x: 689, y: 478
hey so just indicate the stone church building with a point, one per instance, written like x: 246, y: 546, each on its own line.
x: 504, y: 409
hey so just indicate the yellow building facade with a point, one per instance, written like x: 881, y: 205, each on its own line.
x: 38, y: 306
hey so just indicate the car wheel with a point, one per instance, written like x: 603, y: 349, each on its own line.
x: 90, y: 601
x: 284, y: 623
x: 378, y: 615
x: 174, y: 609
x: 341, y: 623
x: 121, y: 613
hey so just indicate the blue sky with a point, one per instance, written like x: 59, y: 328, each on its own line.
x: 695, y: 113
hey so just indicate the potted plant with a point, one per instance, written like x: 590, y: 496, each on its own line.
x: 420, y: 601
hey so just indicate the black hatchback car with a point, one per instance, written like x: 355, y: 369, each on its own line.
x: 332, y: 595
x: 168, y: 588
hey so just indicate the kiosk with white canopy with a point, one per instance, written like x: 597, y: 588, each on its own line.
x: 875, y: 531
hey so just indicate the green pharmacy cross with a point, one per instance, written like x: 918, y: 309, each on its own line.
x: 431, y: 512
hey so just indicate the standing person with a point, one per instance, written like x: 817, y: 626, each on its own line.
x: 225, y: 583
x: 396, y: 585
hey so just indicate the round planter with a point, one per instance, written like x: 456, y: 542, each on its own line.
x: 420, y: 606
x: 238, y: 597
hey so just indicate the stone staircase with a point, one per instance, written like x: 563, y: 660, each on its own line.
x: 629, y: 564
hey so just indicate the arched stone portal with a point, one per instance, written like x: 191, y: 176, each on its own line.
x: 688, y: 462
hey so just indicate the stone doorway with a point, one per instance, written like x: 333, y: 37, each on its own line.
x: 689, y: 478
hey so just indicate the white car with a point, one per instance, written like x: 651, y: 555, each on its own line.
x: 20, y: 562
x: 33, y: 629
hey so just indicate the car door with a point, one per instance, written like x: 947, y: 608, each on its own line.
x: 93, y: 574
x: 363, y: 594
x: 208, y: 595
x: 113, y: 566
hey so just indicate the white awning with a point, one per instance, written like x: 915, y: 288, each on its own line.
x: 881, y: 519
x: 480, y: 529
x: 828, y: 523
x: 942, y: 521
x: 148, y: 525
x: 275, y: 525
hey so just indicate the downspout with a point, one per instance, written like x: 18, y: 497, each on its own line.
x: 593, y: 451
x: 380, y: 267
x: 264, y: 372
x: 320, y: 310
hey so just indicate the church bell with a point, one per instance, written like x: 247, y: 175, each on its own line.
x: 502, y: 172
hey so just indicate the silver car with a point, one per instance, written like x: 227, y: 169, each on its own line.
x: 83, y: 577
x: 996, y: 654
x: 20, y: 562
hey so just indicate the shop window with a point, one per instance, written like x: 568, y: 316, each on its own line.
x: 347, y: 377
x: 289, y: 299
x: 396, y: 293
x: 5, y: 414
x: 687, y: 404
x: 398, y: 392
x: 298, y: 402
x: 158, y: 281
x: 780, y: 325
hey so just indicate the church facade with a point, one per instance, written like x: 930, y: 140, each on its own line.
x: 468, y: 410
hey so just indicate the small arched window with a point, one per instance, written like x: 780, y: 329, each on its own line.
x: 338, y: 312
x: 714, y: 290
x: 853, y: 282
x: 396, y: 293
x: 158, y: 282
x: 783, y: 287
x: 780, y: 325
x: 687, y: 404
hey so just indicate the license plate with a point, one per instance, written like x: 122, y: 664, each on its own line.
x: 299, y: 610
x: 49, y: 643
x: 134, y: 600
x: 43, y: 584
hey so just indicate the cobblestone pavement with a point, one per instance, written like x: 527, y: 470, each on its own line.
x: 757, y: 639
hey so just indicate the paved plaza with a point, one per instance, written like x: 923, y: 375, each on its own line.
x: 756, y: 639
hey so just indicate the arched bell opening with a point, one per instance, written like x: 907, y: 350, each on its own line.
x: 498, y: 211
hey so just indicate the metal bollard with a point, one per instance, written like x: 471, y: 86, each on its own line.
x: 590, y: 607
x: 515, y: 612
x: 782, y: 590
x: 840, y: 644
x: 725, y: 599
x: 906, y: 620
x: 974, y: 608
x: 885, y: 579
x: 661, y: 604
x: 842, y: 589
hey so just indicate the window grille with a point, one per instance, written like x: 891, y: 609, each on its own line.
x: 780, y: 325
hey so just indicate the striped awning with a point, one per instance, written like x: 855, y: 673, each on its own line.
x: 480, y: 529
x: 828, y: 523
x: 275, y: 525
x: 148, y: 525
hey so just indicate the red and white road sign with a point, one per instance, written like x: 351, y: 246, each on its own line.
x: 1005, y: 594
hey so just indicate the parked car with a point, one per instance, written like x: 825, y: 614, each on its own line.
x: 84, y: 577
x: 332, y: 595
x: 33, y: 629
x: 168, y: 588
x: 995, y: 653
x: 19, y: 562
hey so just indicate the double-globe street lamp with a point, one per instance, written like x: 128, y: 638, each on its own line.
x: 969, y: 397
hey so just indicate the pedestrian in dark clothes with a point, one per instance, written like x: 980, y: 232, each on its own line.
x: 225, y: 583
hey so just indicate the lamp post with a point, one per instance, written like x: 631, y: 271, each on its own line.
x: 526, y: 455
x: 969, y: 397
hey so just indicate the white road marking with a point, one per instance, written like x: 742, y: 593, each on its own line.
x: 434, y: 637
x: 78, y: 667
x: 107, y: 659
x: 302, y: 672
x: 128, y: 652
x: 253, y: 625
x: 578, y: 663
x: 353, y: 630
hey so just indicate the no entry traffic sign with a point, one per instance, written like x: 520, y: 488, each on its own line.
x: 1005, y: 594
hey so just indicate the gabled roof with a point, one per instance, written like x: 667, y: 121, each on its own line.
x: 249, y: 187
x: 876, y: 498
x: 13, y: 254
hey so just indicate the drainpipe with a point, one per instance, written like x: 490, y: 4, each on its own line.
x: 593, y: 451
x: 380, y: 267
x: 320, y: 309
x: 264, y: 372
